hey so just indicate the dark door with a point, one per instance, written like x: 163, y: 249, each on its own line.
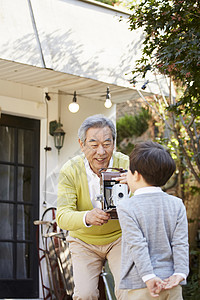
x: 19, y: 206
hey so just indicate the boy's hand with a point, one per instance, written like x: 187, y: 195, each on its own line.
x: 122, y: 178
x: 172, y: 281
x: 155, y: 285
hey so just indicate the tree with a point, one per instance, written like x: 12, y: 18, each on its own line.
x: 172, y: 47
x: 172, y: 44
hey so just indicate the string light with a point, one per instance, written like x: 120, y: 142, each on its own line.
x: 108, y: 102
x: 73, y: 106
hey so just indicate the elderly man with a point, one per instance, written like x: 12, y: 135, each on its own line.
x: 93, y: 236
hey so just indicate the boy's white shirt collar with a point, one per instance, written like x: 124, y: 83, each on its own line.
x: 148, y: 189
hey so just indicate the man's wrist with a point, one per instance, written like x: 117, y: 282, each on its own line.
x: 84, y: 220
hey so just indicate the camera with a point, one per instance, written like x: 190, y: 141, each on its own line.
x: 119, y: 192
x: 111, y: 191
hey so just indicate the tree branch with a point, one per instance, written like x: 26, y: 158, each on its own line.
x: 188, y: 161
x: 153, y: 108
x: 193, y: 142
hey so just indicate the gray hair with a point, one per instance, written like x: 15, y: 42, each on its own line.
x: 96, y: 121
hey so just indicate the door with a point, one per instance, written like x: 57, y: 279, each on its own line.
x: 19, y: 206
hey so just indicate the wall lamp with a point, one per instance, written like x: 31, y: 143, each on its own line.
x: 73, y: 106
x: 58, y: 133
x: 108, y: 102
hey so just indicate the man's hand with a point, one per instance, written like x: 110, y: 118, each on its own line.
x: 173, y: 281
x: 97, y: 217
x: 155, y: 285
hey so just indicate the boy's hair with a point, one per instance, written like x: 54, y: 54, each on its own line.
x: 153, y: 162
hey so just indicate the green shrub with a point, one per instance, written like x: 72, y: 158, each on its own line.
x: 132, y: 126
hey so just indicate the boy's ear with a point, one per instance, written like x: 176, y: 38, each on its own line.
x: 137, y: 175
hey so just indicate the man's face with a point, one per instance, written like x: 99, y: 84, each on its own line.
x: 98, y: 147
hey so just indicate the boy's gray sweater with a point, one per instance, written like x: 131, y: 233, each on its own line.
x: 154, y: 238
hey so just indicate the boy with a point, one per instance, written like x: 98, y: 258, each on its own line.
x: 154, y: 229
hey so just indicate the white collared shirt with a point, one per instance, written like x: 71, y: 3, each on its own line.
x: 93, y: 185
x: 148, y: 189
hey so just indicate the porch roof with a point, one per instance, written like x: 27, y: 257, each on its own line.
x: 72, y: 46
x: 64, y: 83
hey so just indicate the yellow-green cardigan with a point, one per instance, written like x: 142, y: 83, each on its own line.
x: 74, y: 200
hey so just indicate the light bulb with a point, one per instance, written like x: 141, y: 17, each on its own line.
x: 73, y: 107
x: 108, y: 103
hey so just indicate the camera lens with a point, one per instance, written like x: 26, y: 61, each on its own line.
x: 120, y: 195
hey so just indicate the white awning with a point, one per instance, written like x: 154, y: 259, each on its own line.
x: 72, y: 46
x: 64, y: 83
